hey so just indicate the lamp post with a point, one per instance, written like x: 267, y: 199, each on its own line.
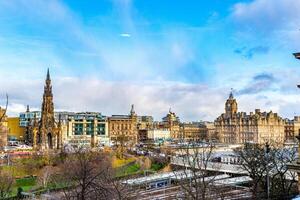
x: 268, y: 179
x: 297, y: 56
x: 295, y: 166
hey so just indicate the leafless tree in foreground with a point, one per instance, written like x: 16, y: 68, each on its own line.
x: 81, y: 174
x: 6, y: 183
x: 3, y: 130
x: 283, y: 182
x: 254, y: 161
x: 45, y: 175
x: 121, y: 142
x: 267, y: 166
x: 193, y: 180
x: 4, y: 113
x: 117, y: 189
x: 88, y: 175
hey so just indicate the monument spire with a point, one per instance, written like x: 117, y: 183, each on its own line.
x: 48, y: 86
x: 48, y: 74
x: 231, y: 94
x: 47, y: 123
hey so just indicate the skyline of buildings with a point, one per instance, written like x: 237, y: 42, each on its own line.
x: 49, y: 129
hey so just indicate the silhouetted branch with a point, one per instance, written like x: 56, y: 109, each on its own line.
x: 4, y: 113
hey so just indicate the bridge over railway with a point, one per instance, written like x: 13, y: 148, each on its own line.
x: 219, y: 167
x: 211, y: 166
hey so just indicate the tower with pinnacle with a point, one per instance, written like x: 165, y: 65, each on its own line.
x: 48, y: 133
x: 231, y: 106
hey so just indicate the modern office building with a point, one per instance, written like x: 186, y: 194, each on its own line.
x: 88, y: 128
x: 15, y: 131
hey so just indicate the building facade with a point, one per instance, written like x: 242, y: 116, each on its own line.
x: 292, y: 129
x: 145, y: 123
x: 89, y: 129
x: 194, y: 131
x: 172, y: 122
x: 159, y: 134
x: 211, y: 131
x: 15, y: 131
x: 235, y: 127
x: 123, y: 129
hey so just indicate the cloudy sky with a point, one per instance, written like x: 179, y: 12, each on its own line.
x: 105, y: 55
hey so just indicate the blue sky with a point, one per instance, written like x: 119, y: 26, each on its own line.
x: 105, y: 55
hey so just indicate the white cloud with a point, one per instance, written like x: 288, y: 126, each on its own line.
x: 104, y: 58
x: 270, y: 13
x: 278, y: 20
x: 125, y: 35
x: 191, y: 102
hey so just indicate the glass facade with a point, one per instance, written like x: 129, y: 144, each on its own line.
x: 78, y: 129
x: 25, y: 117
x: 101, y: 129
x: 90, y: 127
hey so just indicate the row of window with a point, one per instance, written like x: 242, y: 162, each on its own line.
x: 120, y: 126
x: 78, y: 129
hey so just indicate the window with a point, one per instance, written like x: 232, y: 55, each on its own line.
x: 101, y: 129
x: 89, y: 128
x: 78, y: 129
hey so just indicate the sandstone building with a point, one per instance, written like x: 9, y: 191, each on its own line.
x: 172, y: 123
x: 235, y: 127
x: 123, y: 128
x: 182, y: 131
x: 292, y: 129
x: 194, y: 131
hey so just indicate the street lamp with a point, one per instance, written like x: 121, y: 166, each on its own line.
x: 296, y: 165
x: 268, y: 181
x: 297, y: 55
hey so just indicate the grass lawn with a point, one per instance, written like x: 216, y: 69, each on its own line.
x: 157, y: 166
x: 25, y: 183
x: 116, y: 163
x: 15, y: 171
x: 128, y: 170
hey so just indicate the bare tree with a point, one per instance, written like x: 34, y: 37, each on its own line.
x: 121, y: 142
x: 283, y: 181
x: 267, y: 166
x: 254, y: 162
x: 88, y: 175
x: 195, y: 180
x: 6, y: 183
x: 3, y: 130
x: 117, y: 189
x: 45, y: 175
x: 4, y: 113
